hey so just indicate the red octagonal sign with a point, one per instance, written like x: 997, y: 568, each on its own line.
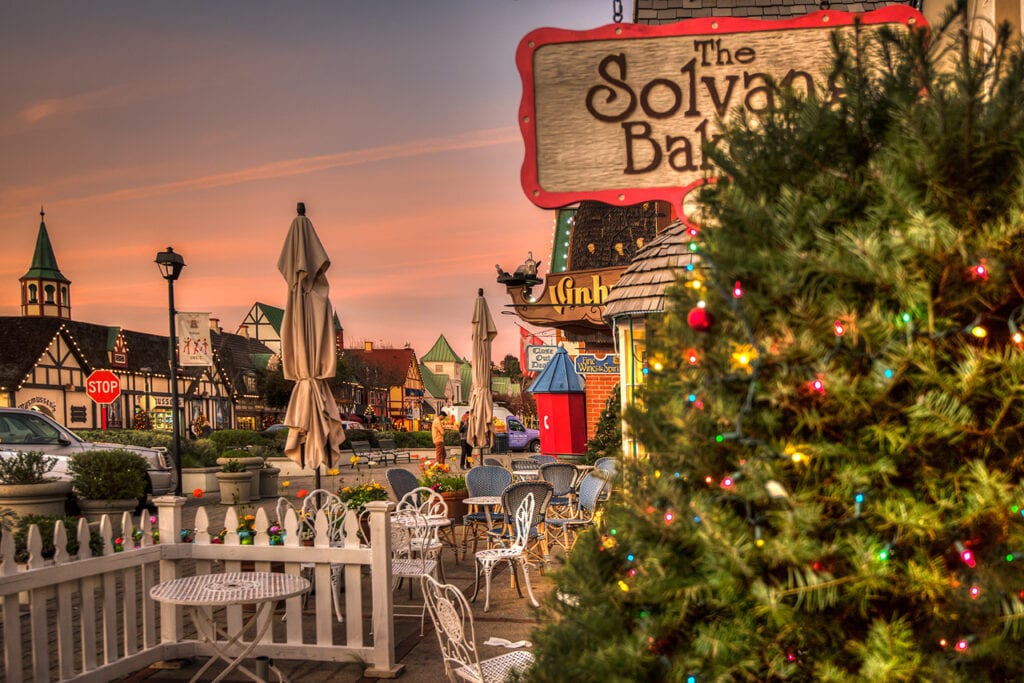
x: 103, y: 386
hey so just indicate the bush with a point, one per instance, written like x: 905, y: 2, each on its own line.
x: 233, y: 465
x: 27, y: 467
x: 411, y: 439
x: 46, y: 526
x: 198, y: 453
x: 128, y: 437
x: 114, y: 474
x: 228, y: 439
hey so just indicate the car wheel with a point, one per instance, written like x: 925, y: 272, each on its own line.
x: 534, y: 447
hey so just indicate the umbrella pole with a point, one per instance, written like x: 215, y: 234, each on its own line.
x: 316, y: 479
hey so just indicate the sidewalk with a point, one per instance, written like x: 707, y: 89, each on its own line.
x: 510, y: 617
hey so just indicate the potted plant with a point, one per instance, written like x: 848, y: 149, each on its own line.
x: 235, y: 482
x: 452, y: 487
x: 356, y: 497
x: 108, y: 481
x: 250, y: 462
x: 26, y: 489
x: 268, y: 480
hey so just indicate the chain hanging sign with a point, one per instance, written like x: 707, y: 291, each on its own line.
x: 620, y: 114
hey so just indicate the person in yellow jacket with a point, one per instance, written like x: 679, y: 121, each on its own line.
x: 437, y: 435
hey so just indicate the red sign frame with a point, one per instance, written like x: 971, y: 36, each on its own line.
x: 707, y: 26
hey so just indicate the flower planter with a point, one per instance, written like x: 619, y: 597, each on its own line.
x: 268, y: 482
x: 457, y: 508
x: 93, y: 510
x: 47, y: 498
x: 235, y: 487
x: 253, y: 465
x: 204, y: 478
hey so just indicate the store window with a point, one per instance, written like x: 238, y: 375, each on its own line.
x: 247, y: 423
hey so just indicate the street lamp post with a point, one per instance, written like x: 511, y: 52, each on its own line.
x: 170, y: 265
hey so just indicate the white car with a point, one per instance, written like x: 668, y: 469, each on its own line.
x: 28, y: 430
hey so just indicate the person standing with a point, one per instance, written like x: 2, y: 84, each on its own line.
x: 467, y: 450
x: 437, y: 434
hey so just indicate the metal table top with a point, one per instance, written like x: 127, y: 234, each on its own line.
x: 230, y: 588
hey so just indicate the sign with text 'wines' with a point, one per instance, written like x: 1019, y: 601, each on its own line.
x: 620, y: 113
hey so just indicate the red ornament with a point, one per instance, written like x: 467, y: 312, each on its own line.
x: 699, y: 319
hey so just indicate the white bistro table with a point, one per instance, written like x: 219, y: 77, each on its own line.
x: 202, y: 593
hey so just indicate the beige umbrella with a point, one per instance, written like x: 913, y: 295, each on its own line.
x: 480, y: 400
x: 308, y: 348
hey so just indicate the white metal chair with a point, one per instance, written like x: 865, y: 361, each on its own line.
x: 432, y: 506
x: 410, y: 533
x: 514, y: 554
x: 334, y: 509
x: 453, y: 623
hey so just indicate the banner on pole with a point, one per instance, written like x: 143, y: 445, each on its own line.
x: 194, y: 339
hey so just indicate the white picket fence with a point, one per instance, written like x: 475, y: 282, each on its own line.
x: 91, y: 618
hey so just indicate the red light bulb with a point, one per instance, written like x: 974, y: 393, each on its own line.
x: 838, y: 328
x: 737, y: 291
x: 727, y: 483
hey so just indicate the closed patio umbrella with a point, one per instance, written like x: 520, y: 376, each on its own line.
x: 308, y: 349
x: 480, y: 400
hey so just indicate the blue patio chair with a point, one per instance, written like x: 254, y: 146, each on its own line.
x: 562, y: 476
x: 564, y: 530
x: 485, y: 480
x: 401, y: 482
x: 543, y: 459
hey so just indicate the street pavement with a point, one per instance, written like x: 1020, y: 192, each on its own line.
x: 510, y: 617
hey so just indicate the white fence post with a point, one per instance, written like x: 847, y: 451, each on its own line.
x: 172, y: 622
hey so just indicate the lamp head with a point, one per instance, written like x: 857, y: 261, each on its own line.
x: 170, y: 264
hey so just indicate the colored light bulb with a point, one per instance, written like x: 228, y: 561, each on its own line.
x: 961, y: 645
x: 979, y: 331
x: 727, y: 483
x: 669, y: 517
x: 975, y: 592
x: 737, y: 290
x: 838, y: 328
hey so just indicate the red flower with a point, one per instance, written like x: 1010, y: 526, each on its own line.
x: 197, y: 493
x: 302, y: 494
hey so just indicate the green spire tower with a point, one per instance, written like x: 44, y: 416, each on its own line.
x: 45, y: 292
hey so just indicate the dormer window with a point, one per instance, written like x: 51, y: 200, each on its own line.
x: 49, y: 289
x: 33, y: 294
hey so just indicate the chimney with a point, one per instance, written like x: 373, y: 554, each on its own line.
x: 214, y: 324
x: 367, y: 346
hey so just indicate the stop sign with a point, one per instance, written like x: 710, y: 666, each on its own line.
x: 103, y: 386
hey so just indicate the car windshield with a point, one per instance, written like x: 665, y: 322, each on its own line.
x: 19, y: 428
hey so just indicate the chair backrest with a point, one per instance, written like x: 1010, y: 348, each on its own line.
x: 543, y: 459
x: 487, y: 480
x: 523, y: 522
x: 523, y: 464
x: 607, y: 464
x: 561, y: 475
x: 453, y: 623
x: 493, y: 462
x: 401, y: 481
x: 590, y: 491
x: 283, y: 506
x: 333, y: 508
x: 427, y: 502
x: 516, y: 493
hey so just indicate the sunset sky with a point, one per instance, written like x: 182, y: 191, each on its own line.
x: 199, y: 125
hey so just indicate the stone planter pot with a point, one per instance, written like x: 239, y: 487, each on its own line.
x: 268, y: 482
x: 47, y: 498
x: 234, y: 487
x: 457, y: 508
x: 204, y: 478
x: 253, y: 465
x: 93, y: 510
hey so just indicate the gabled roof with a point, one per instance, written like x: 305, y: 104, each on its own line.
x: 466, y: 376
x: 24, y: 339
x: 44, y: 261
x: 392, y: 362
x: 274, y: 315
x: 433, y: 384
x: 441, y: 352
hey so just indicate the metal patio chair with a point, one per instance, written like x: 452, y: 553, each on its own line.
x: 453, y: 623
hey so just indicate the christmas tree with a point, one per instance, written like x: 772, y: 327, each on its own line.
x: 607, y: 441
x: 833, y: 487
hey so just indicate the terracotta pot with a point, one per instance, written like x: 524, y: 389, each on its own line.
x: 457, y: 508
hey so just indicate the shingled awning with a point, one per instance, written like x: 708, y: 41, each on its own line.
x: 641, y: 289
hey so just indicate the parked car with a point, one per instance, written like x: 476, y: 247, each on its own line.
x: 521, y: 437
x: 345, y: 424
x: 28, y: 430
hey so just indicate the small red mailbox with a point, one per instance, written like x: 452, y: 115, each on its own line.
x: 561, y: 406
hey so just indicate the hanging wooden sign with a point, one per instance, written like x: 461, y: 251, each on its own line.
x: 619, y: 114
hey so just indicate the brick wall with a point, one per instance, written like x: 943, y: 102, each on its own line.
x: 599, y: 387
